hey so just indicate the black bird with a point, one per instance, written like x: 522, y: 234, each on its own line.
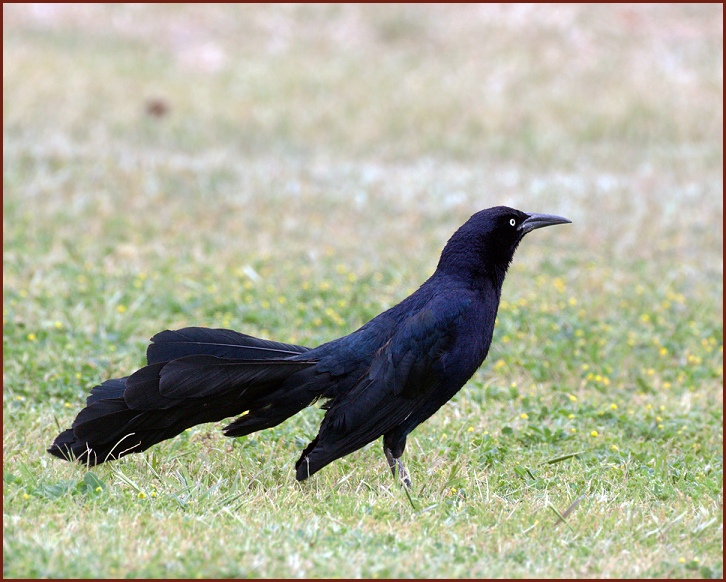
x: 384, y: 379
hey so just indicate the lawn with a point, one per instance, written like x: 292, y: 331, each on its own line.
x: 290, y: 171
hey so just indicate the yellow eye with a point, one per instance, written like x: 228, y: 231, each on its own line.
x: 512, y: 222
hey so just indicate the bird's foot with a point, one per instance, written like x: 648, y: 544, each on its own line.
x: 397, y: 468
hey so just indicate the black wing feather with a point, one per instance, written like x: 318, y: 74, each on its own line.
x: 405, y: 371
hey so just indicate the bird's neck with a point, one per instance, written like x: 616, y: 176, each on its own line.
x: 472, y: 271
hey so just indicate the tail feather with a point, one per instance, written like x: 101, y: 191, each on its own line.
x: 102, y: 418
x: 164, y: 398
x: 141, y: 391
x: 68, y: 447
x: 109, y: 389
x: 223, y: 343
x: 202, y: 376
x: 300, y: 390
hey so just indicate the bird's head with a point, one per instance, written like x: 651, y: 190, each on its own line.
x: 485, y: 243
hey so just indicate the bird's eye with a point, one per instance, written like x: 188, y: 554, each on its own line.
x: 512, y: 222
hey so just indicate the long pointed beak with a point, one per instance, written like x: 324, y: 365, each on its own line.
x: 541, y: 220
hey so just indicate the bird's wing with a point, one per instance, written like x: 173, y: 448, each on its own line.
x: 403, y: 374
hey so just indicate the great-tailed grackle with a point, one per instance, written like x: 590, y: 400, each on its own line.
x: 384, y: 379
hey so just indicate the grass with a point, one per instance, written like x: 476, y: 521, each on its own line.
x: 311, y: 165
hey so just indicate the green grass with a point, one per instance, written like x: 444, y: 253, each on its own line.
x: 313, y: 162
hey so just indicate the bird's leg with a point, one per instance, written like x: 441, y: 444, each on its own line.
x: 396, y: 465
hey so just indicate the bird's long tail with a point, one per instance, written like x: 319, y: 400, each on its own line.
x: 194, y: 375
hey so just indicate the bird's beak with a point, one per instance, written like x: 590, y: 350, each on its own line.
x: 541, y: 220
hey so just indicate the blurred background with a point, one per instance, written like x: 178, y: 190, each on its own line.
x: 348, y: 125
x: 292, y: 170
